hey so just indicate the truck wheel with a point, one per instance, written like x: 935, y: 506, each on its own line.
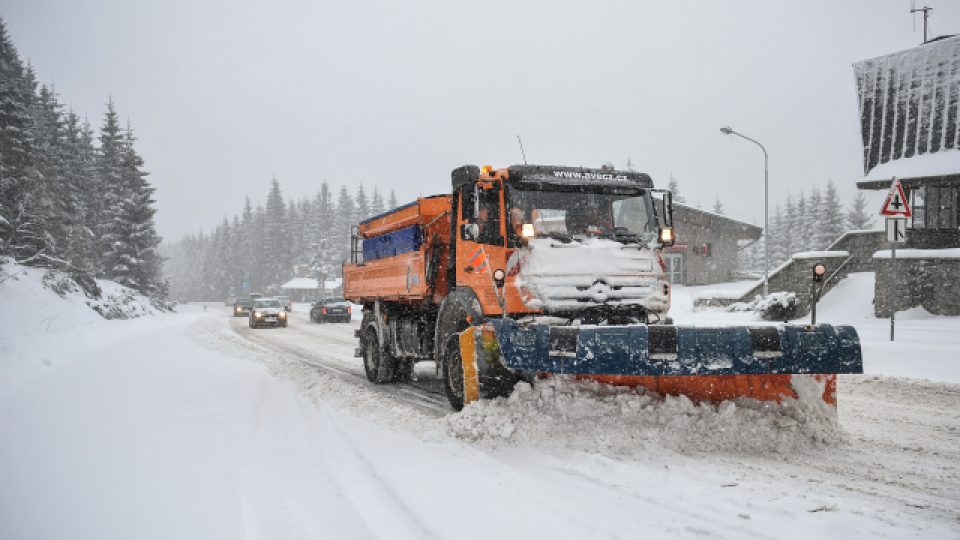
x: 459, y: 306
x: 404, y: 371
x: 452, y: 372
x: 378, y: 363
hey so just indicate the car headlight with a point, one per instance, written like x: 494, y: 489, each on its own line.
x: 237, y: 308
x: 282, y: 314
x: 257, y: 314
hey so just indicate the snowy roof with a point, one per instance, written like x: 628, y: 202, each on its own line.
x: 303, y: 283
x: 922, y: 166
x: 908, y: 110
x: 683, y: 212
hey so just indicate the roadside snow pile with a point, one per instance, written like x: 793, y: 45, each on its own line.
x: 36, y: 300
x: 594, y: 417
x: 778, y: 306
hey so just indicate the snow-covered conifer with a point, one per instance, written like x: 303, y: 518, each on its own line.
x: 857, y: 217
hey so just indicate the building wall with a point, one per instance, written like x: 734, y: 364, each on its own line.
x: 695, y: 228
x: 705, y: 269
x: 933, y: 283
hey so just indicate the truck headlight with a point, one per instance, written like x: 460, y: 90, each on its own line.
x: 527, y: 231
x: 666, y: 236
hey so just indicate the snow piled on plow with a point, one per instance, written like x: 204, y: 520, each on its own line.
x: 595, y: 417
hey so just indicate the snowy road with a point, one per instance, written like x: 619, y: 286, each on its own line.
x: 195, y: 426
x: 897, y: 465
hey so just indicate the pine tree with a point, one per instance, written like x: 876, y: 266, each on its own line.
x: 674, y: 188
x: 832, y: 218
x: 791, y: 224
x: 18, y: 236
x: 815, y: 230
x: 109, y: 156
x: 80, y: 178
x: 259, y: 268
x: 802, y: 234
x: 717, y: 206
x: 392, y: 202
x: 131, y: 258
x: 857, y: 217
x: 276, y: 239
x: 376, y: 207
x: 346, y: 218
x: 778, y: 232
x: 362, y: 205
x: 48, y: 202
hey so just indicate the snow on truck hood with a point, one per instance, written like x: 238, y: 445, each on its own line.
x: 561, y: 276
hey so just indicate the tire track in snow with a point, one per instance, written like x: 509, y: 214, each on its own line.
x: 361, y: 482
x: 273, y: 342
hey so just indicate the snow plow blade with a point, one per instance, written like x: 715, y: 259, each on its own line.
x: 705, y: 364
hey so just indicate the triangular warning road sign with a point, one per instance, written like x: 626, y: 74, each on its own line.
x: 896, y: 204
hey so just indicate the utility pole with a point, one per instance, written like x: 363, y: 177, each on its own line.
x: 926, y: 19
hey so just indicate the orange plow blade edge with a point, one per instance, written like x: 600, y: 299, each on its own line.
x: 770, y: 387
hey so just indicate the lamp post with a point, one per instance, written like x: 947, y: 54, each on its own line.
x: 726, y: 130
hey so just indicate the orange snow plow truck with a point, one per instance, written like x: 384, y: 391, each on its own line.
x: 530, y: 270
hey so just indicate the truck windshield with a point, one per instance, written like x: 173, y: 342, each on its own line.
x: 563, y: 214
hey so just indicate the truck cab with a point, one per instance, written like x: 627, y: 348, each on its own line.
x: 564, y: 242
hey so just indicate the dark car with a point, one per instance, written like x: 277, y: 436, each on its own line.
x: 330, y: 310
x: 267, y: 312
x: 242, y: 307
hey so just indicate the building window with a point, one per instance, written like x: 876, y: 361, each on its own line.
x: 935, y: 207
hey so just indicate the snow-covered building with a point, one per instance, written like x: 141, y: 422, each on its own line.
x: 910, y: 126
x: 305, y: 289
x: 707, y: 245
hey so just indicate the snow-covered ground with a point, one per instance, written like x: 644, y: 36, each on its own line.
x: 194, y: 426
x: 925, y: 346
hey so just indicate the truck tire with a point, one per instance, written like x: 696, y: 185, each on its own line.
x: 404, y: 371
x: 459, y: 306
x: 378, y: 363
x: 451, y: 372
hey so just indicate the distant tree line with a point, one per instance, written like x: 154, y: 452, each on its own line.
x: 806, y: 222
x: 70, y: 200
x: 265, y: 246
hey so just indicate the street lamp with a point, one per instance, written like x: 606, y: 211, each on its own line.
x: 726, y: 130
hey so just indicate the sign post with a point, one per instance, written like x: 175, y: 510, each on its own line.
x: 896, y: 209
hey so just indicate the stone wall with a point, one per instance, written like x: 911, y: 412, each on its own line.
x: 861, y: 245
x: 857, y: 247
x: 933, y: 283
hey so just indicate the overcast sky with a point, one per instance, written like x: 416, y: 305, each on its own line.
x: 225, y: 95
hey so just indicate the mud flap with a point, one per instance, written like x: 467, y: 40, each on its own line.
x: 468, y: 360
x: 484, y: 375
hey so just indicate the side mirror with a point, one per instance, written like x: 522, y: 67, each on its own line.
x: 469, y: 231
x: 668, y: 209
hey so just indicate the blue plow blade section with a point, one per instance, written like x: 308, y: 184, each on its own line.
x: 665, y: 350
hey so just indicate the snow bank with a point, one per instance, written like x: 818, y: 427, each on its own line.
x: 38, y: 301
x: 819, y: 255
x: 589, y: 416
x: 953, y: 253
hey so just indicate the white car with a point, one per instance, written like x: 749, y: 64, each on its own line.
x: 267, y: 312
